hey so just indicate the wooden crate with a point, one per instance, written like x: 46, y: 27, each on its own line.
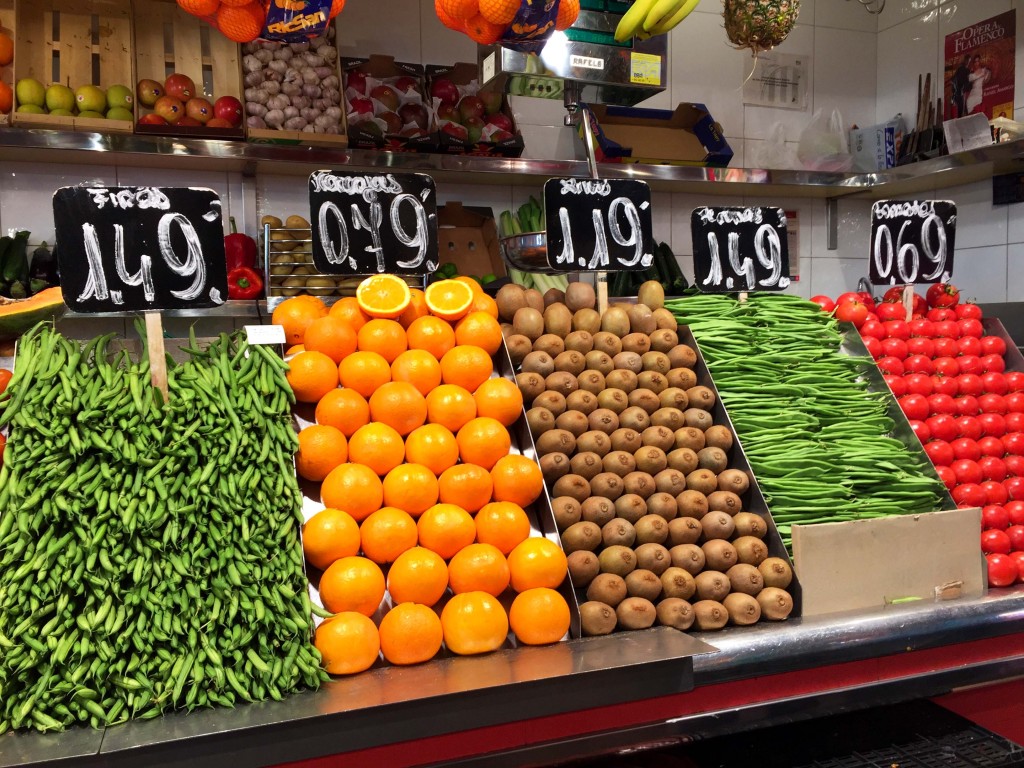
x: 75, y: 42
x: 169, y: 40
x: 7, y: 28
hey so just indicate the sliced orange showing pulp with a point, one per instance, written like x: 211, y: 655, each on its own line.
x: 449, y: 299
x: 384, y: 296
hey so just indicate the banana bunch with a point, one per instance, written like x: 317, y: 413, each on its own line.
x: 647, y: 18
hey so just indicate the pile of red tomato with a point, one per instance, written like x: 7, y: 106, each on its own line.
x: 968, y: 411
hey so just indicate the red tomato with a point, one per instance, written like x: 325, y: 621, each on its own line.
x: 1015, y: 509
x: 915, y: 407
x: 1015, y: 381
x: 994, y: 383
x: 971, y: 364
x: 897, y: 384
x: 970, y: 384
x: 897, y: 329
x: 992, y: 468
x: 969, y: 427
x: 968, y: 309
x: 1016, y: 534
x: 942, y: 426
x: 873, y: 346
x: 993, y: 345
x: 946, y: 366
x: 994, y: 516
x: 920, y: 305
x: 891, y: 365
x: 992, y: 403
x: 969, y: 495
x: 942, y: 404
x: 945, y: 347
x: 1013, y: 443
x: 995, y: 542
x: 1018, y: 558
x: 968, y: 345
x: 992, y: 424
x: 826, y: 304
x: 873, y: 328
x: 895, y: 348
x: 1002, y: 570
x: 947, y: 329
x: 1014, y: 465
x: 1014, y: 421
x: 967, y: 405
x: 842, y: 298
x: 970, y: 327
x: 918, y: 364
x: 947, y: 476
x: 918, y: 384
x: 867, y: 300
x: 940, y: 453
x: 967, y: 471
x: 1015, y: 402
x: 940, y: 315
x: 942, y: 295
x: 991, y: 446
x: 888, y: 311
x: 852, y: 312
x: 966, y: 449
x: 919, y: 345
x: 893, y: 294
x: 993, y: 363
x: 921, y: 429
x: 941, y: 385
x: 1014, y: 487
x: 995, y: 493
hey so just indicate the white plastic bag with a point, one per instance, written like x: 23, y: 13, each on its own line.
x: 823, y: 145
x: 773, y: 153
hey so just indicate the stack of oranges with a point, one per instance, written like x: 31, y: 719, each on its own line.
x: 239, y: 20
x: 487, y: 21
x: 423, y: 498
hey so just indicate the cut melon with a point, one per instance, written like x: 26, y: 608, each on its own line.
x: 18, y: 315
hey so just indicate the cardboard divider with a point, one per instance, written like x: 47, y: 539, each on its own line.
x: 468, y: 237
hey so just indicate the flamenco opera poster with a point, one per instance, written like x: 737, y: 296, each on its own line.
x: 979, y: 68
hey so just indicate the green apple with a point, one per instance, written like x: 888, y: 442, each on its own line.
x: 120, y: 113
x: 32, y: 109
x: 60, y: 97
x: 62, y: 112
x: 91, y: 114
x: 30, y: 92
x: 91, y: 98
x: 120, y: 96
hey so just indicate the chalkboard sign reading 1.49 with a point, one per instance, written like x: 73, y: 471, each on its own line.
x: 598, y: 225
x: 912, y: 241
x: 739, y: 249
x: 368, y: 223
x: 139, y: 248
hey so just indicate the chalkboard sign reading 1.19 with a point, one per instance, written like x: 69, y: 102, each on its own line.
x: 367, y: 223
x: 139, y: 248
x: 739, y: 249
x: 598, y: 225
x: 912, y: 241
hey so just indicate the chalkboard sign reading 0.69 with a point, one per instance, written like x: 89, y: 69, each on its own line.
x: 139, y: 248
x: 368, y: 223
x: 722, y: 238
x: 912, y: 241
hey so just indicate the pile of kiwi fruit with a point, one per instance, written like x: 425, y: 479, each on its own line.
x: 648, y: 510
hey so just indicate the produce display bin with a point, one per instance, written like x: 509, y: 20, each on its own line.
x: 74, y: 42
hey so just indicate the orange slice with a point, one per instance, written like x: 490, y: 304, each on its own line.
x: 384, y: 296
x: 449, y: 299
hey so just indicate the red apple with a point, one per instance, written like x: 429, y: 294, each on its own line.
x: 393, y: 123
x: 180, y: 87
x: 152, y: 119
x: 474, y: 127
x: 447, y: 112
x: 456, y: 131
x: 228, y: 108
x: 414, y: 113
x: 471, y: 106
x: 357, y: 82
x: 492, y: 101
x: 170, y: 109
x: 148, y: 91
x: 500, y: 120
x: 361, y: 106
x: 188, y: 121
x: 500, y: 136
x: 199, y: 109
x: 405, y: 83
x: 386, y: 95
x: 219, y: 122
x: 445, y: 90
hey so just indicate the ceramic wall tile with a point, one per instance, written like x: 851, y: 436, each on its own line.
x: 854, y: 230
x: 682, y: 207
x: 757, y: 154
x: 844, y: 72
x: 848, y: 14
x: 1015, y: 272
x: 978, y: 221
x: 833, y: 276
x: 438, y: 44
x: 899, y: 11
x: 26, y: 192
x: 980, y: 273
x: 904, y: 52
x: 758, y: 121
x: 282, y: 196
x: 368, y: 26
x: 803, y: 286
x: 1015, y: 223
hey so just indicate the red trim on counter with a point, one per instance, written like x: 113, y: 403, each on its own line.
x: 998, y: 707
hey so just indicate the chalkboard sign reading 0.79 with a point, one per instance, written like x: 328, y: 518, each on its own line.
x: 912, y: 241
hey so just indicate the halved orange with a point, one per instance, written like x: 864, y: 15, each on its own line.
x: 384, y: 296
x: 449, y: 299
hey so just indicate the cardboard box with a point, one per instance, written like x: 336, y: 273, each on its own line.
x: 468, y: 237
x: 371, y: 132
x: 451, y: 136
x: 687, y: 135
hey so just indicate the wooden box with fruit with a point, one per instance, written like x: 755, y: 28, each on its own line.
x: 466, y: 119
x: 73, y: 66
x: 386, y: 106
x: 6, y: 60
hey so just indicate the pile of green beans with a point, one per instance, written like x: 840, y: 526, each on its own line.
x: 150, y: 556
x: 818, y: 441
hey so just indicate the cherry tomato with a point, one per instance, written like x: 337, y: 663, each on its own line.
x: 1002, y: 570
x: 992, y: 468
x: 940, y: 453
x: 947, y: 476
x: 994, y: 516
x: 919, y: 345
x: 1015, y: 381
x: 942, y: 426
x: 897, y: 329
x: 918, y: 384
x: 895, y: 348
x: 993, y: 363
x: 1013, y: 443
x: 1016, y: 534
x: 946, y: 366
x: 966, y: 449
x: 1014, y: 465
x: 969, y: 495
x: 967, y: 471
x: 993, y: 345
x: 918, y: 364
x: 969, y: 426
x: 994, y: 383
x: 947, y: 329
x: 826, y: 304
x: 873, y: 328
x: 1015, y: 509
x: 890, y: 365
x: 915, y: 406
x: 991, y: 446
x: 968, y: 345
x: 967, y: 405
x: 970, y: 364
x: 1014, y: 487
x: 897, y: 384
x: 942, y: 295
x: 970, y: 384
x: 945, y: 347
x: 995, y: 493
x: 968, y: 309
x: 970, y: 327
x: 1014, y: 402
x: 921, y: 429
x: 992, y: 424
x: 991, y: 403
x: 1018, y: 558
x: 941, y: 315
x: 888, y: 311
x: 942, y: 404
x: 1014, y: 421
x: 852, y: 312
x: 995, y: 542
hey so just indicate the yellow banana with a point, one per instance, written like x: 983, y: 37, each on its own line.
x: 661, y: 11
x: 668, y: 24
x: 633, y: 20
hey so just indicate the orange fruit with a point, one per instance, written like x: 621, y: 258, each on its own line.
x: 344, y: 409
x: 568, y: 12
x: 433, y: 446
x: 378, y: 447
x: 243, y: 23
x: 460, y: 10
x: 383, y: 296
x: 6, y: 98
x: 419, y: 368
x: 537, y: 562
x: 321, y: 449
x: 500, y: 399
x: 442, y: 14
x: 482, y: 31
x: 431, y: 334
x: 499, y: 11
x: 474, y: 622
x: 503, y: 524
x: 539, y: 616
x: 294, y: 350
x: 417, y: 308
x: 7, y: 48
x: 353, y: 488
x: 467, y: 366
x: 311, y: 376
x: 449, y: 299
x: 352, y: 584
x: 445, y: 529
x: 450, y: 406
x: 473, y: 284
x: 385, y: 337
x: 465, y: 485
x: 386, y: 534
x: 195, y: 7
x: 337, y: 6
x: 411, y: 487
x: 479, y: 329
x: 5, y: 378
x: 517, y: 479
x: 348, y: 643
x: 347, y: 309
x: 332, y: 336
x: 399, y: 405
x: 484, y: 303
x: 329, y: 535
x: 295, y: 315
x: 478, y: 568
x: 418, y: 575
x: 364, y: 372
x: 483, y: 441
x: 410, y: 634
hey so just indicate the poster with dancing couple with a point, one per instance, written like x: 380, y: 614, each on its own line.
x: 979, y: 68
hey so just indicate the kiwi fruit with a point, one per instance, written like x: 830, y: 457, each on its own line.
x: 674, y: 397
x: 748, y: 524
x: 636, y: 613
x: 581, y: 536
x: 745, y: 578
x: 684, y: 530
x: 701, y: 397
x: 619, y: 560
x: 580, y: 296
x: 651, y: 294
x: 531, y: 384
x: 553, y: 296
x: 656, y: 362
x: 626, y: 439
x: 733, y: 480
x: 743, y: 609
x: 586, y: 464
x: 540, y: 420
x: 630, y: 507
x: 635, y: 417
x: 712, y: 458
x: 639, y: 482
x: 534, y: 299
x: 725, y: 501
x: 678, y: 583
x: 614, y: 400
x: 651, y: 460
x: 507, y: 330
x: 510, y: 299
x: 608, y: 588
x: 637, y: 343
x: 682, y: 356
x: 751, y: 550
x: 643, y: 583
x: 709, y: 615
x: 718, y: 436
x: 597, y: 619
x: 643, y: 398
x: 579, y: 341
x: 664, y: 319
x: 619, y: 463
x: 597, y: 510
x: 641, y: 321
x: 540, y: 362
x: 651, y: 529
x: 567, y: 511
x: 658, y: 437
x: 556, y: 441
x: 571, y: 362
x: 692, y: 503
x: 719, y: 554
x: 628, y: 361
x: 557, y: 320
x: 684, y: 378
x: 528, y: 322
x: 594, y: 442
x: 615, y: 320
x: 717, y: 524
x: 618, y: 532
x: 553, y: 466
x: 583, y: 567
x: 670, y: 418
x: 591, y: 382
x: 571, y: 485
x: 703, y: 480
x: 573, y: 422
x: 622, y: 379
x: 776, y: 604
x: 712, y: 585
x: 776, y: 572
x: 608, y: 343
x: 654, y: 382
x: 604, y: 420
x: 675, y: 612
x: 670, y: 481
x: 599, y: 361
x: 691, y: 438
x: 689, y: 557
x: 607, y: 485
x: 581, y: 400
x: 663, y: 340
x: 562, y: 382
x: 519, y: 347
x: 549, y: 344
x: 682, y: 460
x: 586, y: 319
x: 653, y: 557
x: 663, y: 505
x: 696, y: 417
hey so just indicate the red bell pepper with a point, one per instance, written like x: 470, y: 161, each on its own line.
x: 244, y: 283
x: 239, y: 249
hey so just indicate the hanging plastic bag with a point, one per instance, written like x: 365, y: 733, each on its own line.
x: 281, y: 21
x: 524, y: 28
x: 823, y: 145
x: 773, y: 153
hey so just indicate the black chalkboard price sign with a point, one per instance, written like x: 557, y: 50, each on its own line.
x: 912, y: 241
x: 739, y: 249
x: 367, y: 223
x: 139, y: 248
x: 598, y: 225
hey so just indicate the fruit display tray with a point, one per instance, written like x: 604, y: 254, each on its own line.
x: 994, y: 327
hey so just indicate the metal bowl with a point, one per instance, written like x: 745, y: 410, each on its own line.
x: 527, y: 252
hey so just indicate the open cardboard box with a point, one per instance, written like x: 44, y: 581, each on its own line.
x: 366, y: 134
x: 451, y: 142
x: 468, y: 237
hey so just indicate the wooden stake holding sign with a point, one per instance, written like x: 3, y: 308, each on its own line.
x: 759, y: 232
x: 141, y: 249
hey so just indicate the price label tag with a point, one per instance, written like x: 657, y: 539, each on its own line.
x: 140, y: 248
x: 367, y: 223
x: 739, y: 249
x: 598, y: 225
x: 912, y: 241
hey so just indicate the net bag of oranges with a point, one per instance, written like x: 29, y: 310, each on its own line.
x: 523, y: 25
x: 285, y: 21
